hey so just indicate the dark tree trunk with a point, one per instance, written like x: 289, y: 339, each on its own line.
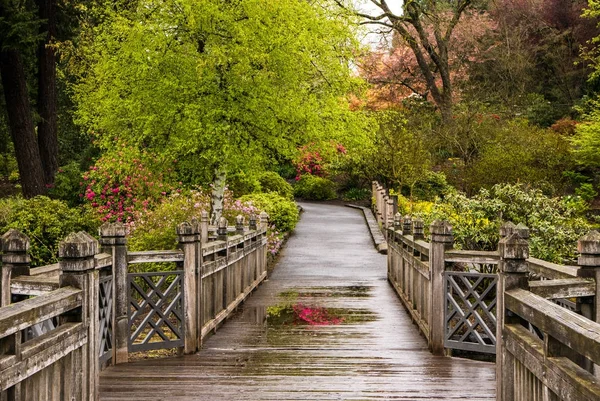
x: 21, y: 123
x: 47, y: 97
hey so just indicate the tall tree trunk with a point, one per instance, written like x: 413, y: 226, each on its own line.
x: 47, y: 97
x: 218, y: 195
x: 21, y: 123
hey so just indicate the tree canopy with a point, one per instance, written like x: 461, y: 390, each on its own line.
x: 219, y: 84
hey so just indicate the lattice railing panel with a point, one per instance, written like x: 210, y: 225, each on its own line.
x: 155, y: 310
x: 470, y: 311
x: 105, y: 300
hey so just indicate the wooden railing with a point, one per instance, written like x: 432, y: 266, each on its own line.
x: 61, y: 324
x: 539, y: 318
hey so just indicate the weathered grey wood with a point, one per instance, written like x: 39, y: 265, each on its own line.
x: 563, y: 288
x: 513, y: 250
x: 21, y: 315
x: 112, y: 240
x: 56, y: 347
x: 45, y: 271
x: 560, y: 375
x: 551, y: 270
x: 15, y: 261
x: 188, y: 237
x: 154, y: 257
x: 466, y: 256
x: 33, y: 285
x: 77, y: 253
x: 571, y: 329
x: 441, y: 240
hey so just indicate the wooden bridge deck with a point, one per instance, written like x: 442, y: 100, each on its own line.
x: 374, y: 353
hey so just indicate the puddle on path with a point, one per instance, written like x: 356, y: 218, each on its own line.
x: 305, y: 306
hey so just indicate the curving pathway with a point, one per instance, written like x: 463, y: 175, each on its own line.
x: 364, y: 347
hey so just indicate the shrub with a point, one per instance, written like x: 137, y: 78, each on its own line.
x: 126, y: 182
x: 357, y: 194
x: 46, y: 222
x: 66, y: 184
x: 282, y: 212
x: 311, y: 187
x: 270, y: 181
x: 555, y: 223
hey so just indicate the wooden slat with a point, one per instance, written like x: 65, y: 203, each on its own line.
x: 563, y: 288
x: 154, y: 256
x: 460, y: 256
x: 551, y: 270
x: 560, y: 375
x: 103, y: 260
x: 33, y: 285
x: 26, y: 313
x: 45, y: 271
x: 46, y: 356
x: 575, y: 331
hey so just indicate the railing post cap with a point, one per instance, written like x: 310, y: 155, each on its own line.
x: 14, y: 241
x: 239, y: 219
x: 264, y: 216
x: 507, y: 228
x: 418, y: 222
x: 589, y: 244
x: 78, y: 245
x: 440, y: 227
x: 522, y: 230
x: 222, y: 223
x: 513, y: 247
x: 204, y: 216
x: 112, y: 230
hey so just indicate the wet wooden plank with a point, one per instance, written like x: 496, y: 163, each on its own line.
x: 373, y: 353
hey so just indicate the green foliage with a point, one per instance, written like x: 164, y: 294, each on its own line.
x: 357, y: 194
x: 282, y: 212
x: 219, y: 84
x: 311, y: 187
x: 555, y: 223
x: 156, y: 229
x: 518, y: 152
x: 270, y: 181
x: 242, y: 183
x: 67, y: 184
x: 46, y: 222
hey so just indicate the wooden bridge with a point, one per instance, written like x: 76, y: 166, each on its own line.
x: 374, y: 352
x: 330, y: 322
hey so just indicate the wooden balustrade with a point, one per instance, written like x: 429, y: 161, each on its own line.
x: 94, y: 311
x: 539, y: 318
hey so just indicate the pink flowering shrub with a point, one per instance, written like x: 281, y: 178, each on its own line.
x: 316, y: 159
x: 126, y: 182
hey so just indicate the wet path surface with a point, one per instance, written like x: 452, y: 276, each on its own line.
x: 325, y: 326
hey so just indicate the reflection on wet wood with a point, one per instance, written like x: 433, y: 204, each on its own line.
x: 361, y: 346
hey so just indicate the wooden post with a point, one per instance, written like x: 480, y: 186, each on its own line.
x: 589, y: 261
x: 418, y: 229
x: 188, y: 238
x: 441, y: 239
x: 222, y: 229
x: 239, y: 224
x: 512, y: 273
x: 113, y: 241
x: 252, y: 222
x: 204, y: 221
x: 389, y: 212
x: 15, y: 261
x: 262, y: 250
x: 78, y: 270
x: 407, y: 225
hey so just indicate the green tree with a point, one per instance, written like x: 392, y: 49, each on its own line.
x: 219, y: 86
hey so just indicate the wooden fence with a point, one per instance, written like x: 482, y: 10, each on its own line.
x: 61, y: 324
x: 539, y: 318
